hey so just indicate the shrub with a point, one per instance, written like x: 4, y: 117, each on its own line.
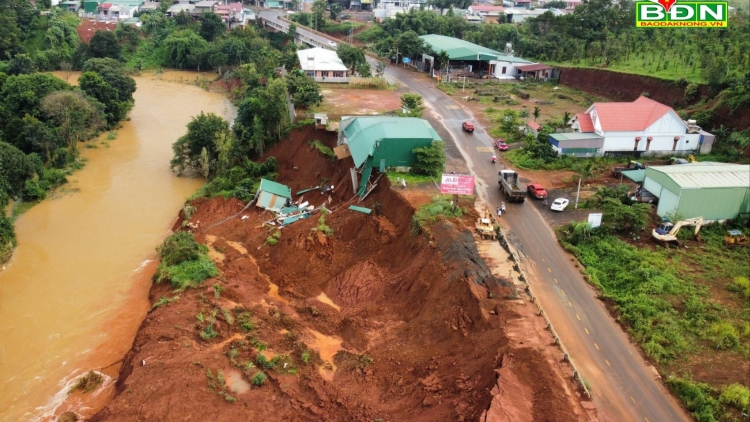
x: 736, y: 395
x: 741, y: 285
x: 259, y: 379
x: 188, y: 273
x: 178, y: 248
x: 430, y: 160
x: 440, y: 207
x: 697, y: 398
x: 88, y: 382
x: 691, y: 92
x: 323, y: 149
x: 208, y: 333
x: 306, y: 356
x: 723, y: 335
x: 32, y: 191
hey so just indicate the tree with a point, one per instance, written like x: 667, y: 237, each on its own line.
x: 212, y: 26
x: 21, y: 64
x: 412, y: 105
x: 106, y: 82
x: 335, y: 10
x: 207, y: 132
x: 318, y: 14
x: 78, y: 118
x: 22, y: 94
x: 292, y: 32
x: 443, y: 58
x: 10, y: 34
x: 430, y: 160
x: 104, y: 44
x: 183, y: 50
x: 585, y: 169
x: 305, y: 92
x: 509, y: 124
x: 351, y: 56
x: 409, y: 44
x: 537, y: 112
x: 127, y: 35
x: 15, y: 169
x: 565, y: 119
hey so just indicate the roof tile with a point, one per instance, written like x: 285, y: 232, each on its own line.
x: 635, y: 116
x: 584, y: 120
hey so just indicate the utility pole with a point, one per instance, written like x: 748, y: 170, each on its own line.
x: 578, y: 194
x: 463, y: 89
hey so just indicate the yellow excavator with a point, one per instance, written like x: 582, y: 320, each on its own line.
x: 485, y: 229
x: 667, y: 232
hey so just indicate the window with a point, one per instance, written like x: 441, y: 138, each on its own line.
x: 504, y: 68
x: 338, y: 74
x: 324, y: 73
x: 311, y: 73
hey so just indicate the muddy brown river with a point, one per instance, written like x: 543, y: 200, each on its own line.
x: 76, y: 289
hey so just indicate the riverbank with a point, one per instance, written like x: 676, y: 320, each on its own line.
x: 366, y: 322
x: 77, y: 286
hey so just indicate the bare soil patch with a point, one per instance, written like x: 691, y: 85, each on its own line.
x: 412, y: 339
x: 343, y: 101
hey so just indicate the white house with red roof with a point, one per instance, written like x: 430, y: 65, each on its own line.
x: 641, y: 127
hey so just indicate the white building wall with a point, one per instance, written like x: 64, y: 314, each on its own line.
x: 625, y: 141
x: 510, y: 69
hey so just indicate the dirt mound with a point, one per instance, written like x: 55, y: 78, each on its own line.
x: 371, y: 323
x: 619, y: 86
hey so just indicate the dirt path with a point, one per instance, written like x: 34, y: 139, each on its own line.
x: 370, y: 323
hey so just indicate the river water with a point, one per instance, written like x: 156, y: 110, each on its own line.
x: 76, y: 289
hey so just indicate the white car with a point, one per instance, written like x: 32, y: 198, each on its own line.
x: 332, y: 44
x: 559, y: 204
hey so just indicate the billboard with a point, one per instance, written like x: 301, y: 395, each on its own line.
x: 457, y: 184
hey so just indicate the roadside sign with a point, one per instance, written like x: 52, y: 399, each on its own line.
x: 457, y: 184
x: 595, y: 220
x: 406, y: 60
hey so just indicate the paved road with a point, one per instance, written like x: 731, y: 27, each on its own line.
x: 624, y: 386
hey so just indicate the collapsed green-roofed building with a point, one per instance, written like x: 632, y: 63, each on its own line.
x: 381, y: 142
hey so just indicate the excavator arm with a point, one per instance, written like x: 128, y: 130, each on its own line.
x: 697, y: 222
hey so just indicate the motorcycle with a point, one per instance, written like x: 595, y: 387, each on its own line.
x: 494, y: 159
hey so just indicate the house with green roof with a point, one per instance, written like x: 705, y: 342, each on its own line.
x: 381, y: 142
x: 272, y: 196
x: 495, y: 63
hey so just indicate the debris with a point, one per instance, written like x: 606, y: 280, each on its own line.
x: 360, y: 209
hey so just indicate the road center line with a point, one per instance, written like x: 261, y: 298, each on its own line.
x: 577, y: 316
x: 610, y: 365
x: 631, y: 398
x: 597, y: 346
x: 563, y: 292
x: 587, y: 330
x: 571, y: 305
x: 555, y: 280
x: 549, y: 269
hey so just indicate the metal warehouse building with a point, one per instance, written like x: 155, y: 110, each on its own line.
x: 714, y: 191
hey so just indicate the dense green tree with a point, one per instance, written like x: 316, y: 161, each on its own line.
x: 15, y: 169
x: 61, y: 36
x: 10, y: 34
x: 22, y: 94
x: 77, y: 117
x: 335, y: 10
x: 430, y: 160
x: 105, y: 80
x: 208, y: 134
x: 556, y: 4
x: 31, y: 135
x: 409, y: 44
x: 351, y: 56
x: 212, y: 26
x: 21, y: 64
x: 184, y: 50
x: 318, y: 14
x: 105, y: 44
x: 128, y: 36
x: 304, y: 90
x: 412, y: 105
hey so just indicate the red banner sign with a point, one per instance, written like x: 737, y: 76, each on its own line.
x: 457, y: 184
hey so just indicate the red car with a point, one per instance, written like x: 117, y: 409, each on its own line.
x: 468, y: 126
x: 536, y: 190
x: 500, y: 145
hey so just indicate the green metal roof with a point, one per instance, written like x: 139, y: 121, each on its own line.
x: 573, y: 136
x: 275, y: 188
x: 458, y: 49
x: 635, y: 175
x: 387, y: 138
x: 704, y: 175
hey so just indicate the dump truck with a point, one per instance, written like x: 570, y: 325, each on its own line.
x: 633, y: 165
x: 509, y: 184
x: 485, y: 228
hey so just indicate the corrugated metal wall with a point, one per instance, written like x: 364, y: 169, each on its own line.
x: 668, y: 202
x: 714, y: 203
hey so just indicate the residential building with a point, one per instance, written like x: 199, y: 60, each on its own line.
x: 231, y: 13
x: 322, y: 65
x: 537, y: 71
x: 70, y: 5
x: 205, y: 6
x: 526, y: 4
x: 473, y: 18
x: 532, y: 127
x: 518, y: 15
x: 272, y: 196
x: 714, y: 191
x: 91, y: 6
x: 150, y: 6
x: 390, y: 8
x: 381, y: 142
x: 489, y: 14
x: 495, y: 63
x: 641, y: 127
x: 117, y: 11
x: 178, y: 8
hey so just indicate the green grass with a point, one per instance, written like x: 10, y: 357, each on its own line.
x: 259, y: 379
x: 411, y: 178
x: 164, y: 301
x: 185, y: 263
x: 323, y: 149
x: 521, y: 159
x: 646, y: 65
x: 427, y: 214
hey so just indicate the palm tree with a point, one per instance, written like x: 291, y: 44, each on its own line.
x: 537, y: 113
x: 721, y: 133
x: 565, y: 119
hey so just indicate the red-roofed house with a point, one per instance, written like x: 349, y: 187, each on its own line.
x: 533, y: 127
x: 537, y: 71
x: 489, y: 14
x: 643, y: 126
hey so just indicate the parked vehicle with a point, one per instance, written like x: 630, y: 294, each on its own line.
x: 633, y: 165
x: 331, y: 43
x: 678, y: 160
x: 509, y: 184
x: 559, y: 205
x: 645, y: 197
x: 536, y: 190
x: 500, y: 145
x: 667, y: 232
x: 468, y: 127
